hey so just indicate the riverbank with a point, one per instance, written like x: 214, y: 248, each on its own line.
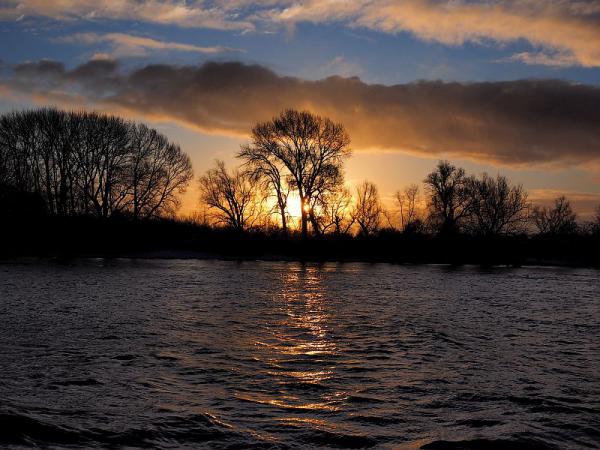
x: 82, y: 237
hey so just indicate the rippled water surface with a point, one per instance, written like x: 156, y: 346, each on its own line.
x: 187, y: 354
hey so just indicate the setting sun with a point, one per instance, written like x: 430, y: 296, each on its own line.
x: 293, y: 205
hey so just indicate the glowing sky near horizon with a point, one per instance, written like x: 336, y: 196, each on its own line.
x: 545, y: 136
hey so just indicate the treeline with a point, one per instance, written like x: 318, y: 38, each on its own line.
x: 65, y: 164
x: 82, y: 183
x: 301, y: 155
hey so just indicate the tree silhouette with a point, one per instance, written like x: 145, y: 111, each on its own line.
x: 496, y: 207
x: 595, y: 224
x: 449, y: 199
x: 311, y: 149
x: 336, y: 214
x: 557, y: 220
x: 367, y: 211
x: 85, y: 163
x: 266, y: 168
x: 157, y: 170
x: 407, y: 201
x: 234, y: 200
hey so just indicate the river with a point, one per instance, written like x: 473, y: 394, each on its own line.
x: 225, y: 354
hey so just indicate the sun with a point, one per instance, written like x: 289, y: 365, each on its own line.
x: 294, y: 207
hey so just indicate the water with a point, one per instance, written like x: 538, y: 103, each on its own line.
x: 188, y: 354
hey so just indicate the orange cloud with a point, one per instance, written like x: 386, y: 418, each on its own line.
x: 522, y: 122
x: 570, y: 29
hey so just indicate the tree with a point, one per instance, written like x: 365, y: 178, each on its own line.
x: 326, y: 189
x: 595, y: 225
x: 335, y: 212
x: 266, y: 168
x: 407, y: 204
x: 232, y: 197
x: 449, y: 201
x: 157, y: 170
x: 101, y: 158
x: 367, y: 211
x: 497, y: 207
x: 558, y: 220
x: 310, y: 148
x: 85, y: 163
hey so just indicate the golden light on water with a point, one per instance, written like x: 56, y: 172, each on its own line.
x: 300, y: 333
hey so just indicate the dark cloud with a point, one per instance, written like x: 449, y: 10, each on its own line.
x: 44, y: 68
x: 95, y: 69
x: 513, y: 122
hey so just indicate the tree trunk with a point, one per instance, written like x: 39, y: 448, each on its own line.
x: 283, y: 220
x: 304, y: 216
x: 314, y: 223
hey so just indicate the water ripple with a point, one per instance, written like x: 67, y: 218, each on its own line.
x: 188, y: 354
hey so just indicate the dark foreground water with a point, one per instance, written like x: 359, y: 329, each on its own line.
x: 188, y: 354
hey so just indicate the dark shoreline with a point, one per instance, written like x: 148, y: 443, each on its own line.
x: 177, y: 254
x: 183, y: 255
x: 170, y: 239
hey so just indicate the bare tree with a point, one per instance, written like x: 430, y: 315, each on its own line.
x: 232, y: 197
x: 407, y: 201
x: 157, y: 172
x: 327, y: 186
x: 558, y: 220
x: 92, y: 164
x: 266, y: 168
x: 336, y: 212
x: 101, y: 158
x: 496, y: 206
x: 367, y: 211
x: 449, y: 200
x: 310, y: 147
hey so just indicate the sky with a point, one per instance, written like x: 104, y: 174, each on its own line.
x: 502, y: 86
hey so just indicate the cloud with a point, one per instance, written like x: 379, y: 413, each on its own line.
x: 340, y: 65
x: 168, y: 12
x: 522, y: 122
x: 557, y: 59
x: 585, y: 203
x: 124, y: 45
x: 569, y: 27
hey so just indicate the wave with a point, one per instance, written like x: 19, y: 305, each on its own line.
x: 489, y: 444
x: 27, y: 430
x: 20, y: 429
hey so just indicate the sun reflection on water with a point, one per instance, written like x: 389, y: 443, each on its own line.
x: 301, y: 350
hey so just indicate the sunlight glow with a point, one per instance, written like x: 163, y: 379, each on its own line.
x: 294, y: 208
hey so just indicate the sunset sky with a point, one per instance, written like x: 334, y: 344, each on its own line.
x: 510, y: 86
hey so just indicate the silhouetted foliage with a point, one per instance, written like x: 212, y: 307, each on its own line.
x: 264, y: 167
x: 367, y: 211
x: 407, y: 201
x: 496, y: 207
x: 156, y: 171
x: 82, y: 163
x: 71, y: 181
x: 556, y: 220
x: 336, y: 211
x: 595, y: 224
x: 311, y: 149
x: 449, y: 199
x: 232, y: 197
